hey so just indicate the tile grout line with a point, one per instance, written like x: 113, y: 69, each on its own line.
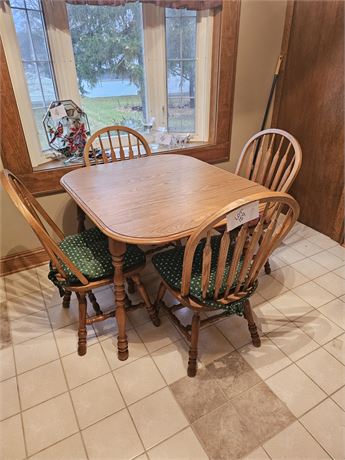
x: 311, y: 434
x: 20, y: 403
x: 71, y: 401
x: 295, y: 362
x: 123, y: 399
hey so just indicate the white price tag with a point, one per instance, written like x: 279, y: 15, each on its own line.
x: 242, y: 215
x: 58, y: 112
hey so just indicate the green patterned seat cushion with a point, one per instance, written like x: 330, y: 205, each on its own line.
x: 169, y: 265
x: 89, y: 253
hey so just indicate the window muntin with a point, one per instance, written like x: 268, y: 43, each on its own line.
x: 180, y: 37
x: 35, y: 56
x: 108, y: 51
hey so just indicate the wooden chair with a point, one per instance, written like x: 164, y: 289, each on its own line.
x: 123, y: 143
x: 79, y: 263
x: 272, y: 158
x: 220, y: 271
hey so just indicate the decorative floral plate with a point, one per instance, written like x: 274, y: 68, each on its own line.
x: 66, y: 127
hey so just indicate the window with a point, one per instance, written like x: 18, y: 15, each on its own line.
x: 132, y: 64
x: 180, y: 32
x: 109, y: 55
x: 35, y: 56
x: 215, y: 93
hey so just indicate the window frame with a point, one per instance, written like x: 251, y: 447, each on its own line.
x: 217, y: 149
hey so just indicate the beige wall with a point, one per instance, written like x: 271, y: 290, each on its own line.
x: 15, y: 233
x: 261, y: 31
x: 261, y: 28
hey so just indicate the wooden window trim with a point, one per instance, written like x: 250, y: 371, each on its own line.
x: 14, y: 152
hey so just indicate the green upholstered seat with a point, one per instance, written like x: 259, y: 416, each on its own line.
x: 88, y: 251
x: 169, y: 265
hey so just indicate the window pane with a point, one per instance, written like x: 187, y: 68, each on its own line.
x: 47, y: 82
x: 181, y: 65
x: 188, y: 37
x: 17, y: 3
x: 174, y: 78
x: 23, y: 34
x: 177, y: 13
x: 33, y: 4
x: 173, y: 38
x: 188, y: 75
x: 34, y: 86
x: 30, y: 30
x: 181, y: 115
x: 37, y: 33
x: 108, y: 50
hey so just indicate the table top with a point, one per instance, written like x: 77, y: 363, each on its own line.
x: 154, y: 199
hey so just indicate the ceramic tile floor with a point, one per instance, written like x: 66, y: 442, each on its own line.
x: 283, y: 400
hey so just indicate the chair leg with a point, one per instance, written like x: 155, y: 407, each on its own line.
x: 66, y: 299
x: 149, y: 307
x: 193, y: 349
x: 82, y: 332
x: 161, y: 292
x: 94, y: 303
x: 128, y: 302
x: 130, y: 285
x: 248, y: 314
x: 267, y: 267
x: 81, y: 220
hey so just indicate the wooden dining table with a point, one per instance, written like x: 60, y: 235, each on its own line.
x: 150, y: 200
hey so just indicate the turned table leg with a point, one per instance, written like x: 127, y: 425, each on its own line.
x: 117, y: 250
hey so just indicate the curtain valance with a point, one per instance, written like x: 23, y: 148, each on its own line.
x: 187, y: 4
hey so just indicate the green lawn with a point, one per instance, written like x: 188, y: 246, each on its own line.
x: 103, y: 111
x: 117, y: 110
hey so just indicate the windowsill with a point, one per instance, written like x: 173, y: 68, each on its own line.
x: 60, y: 162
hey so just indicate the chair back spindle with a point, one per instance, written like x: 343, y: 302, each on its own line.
x: 115, y: 143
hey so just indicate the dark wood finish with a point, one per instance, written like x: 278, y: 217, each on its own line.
x: 224, y: 58
x: 82, y: 332
x: 309, y: 104
x: 251, y: 247
x: 117, y: 251
x: 66, y: 299
x: 40, y: 221
x: 193, y: 350
x: 283, y: 52
x: 81, y: 220
x: 47, y: 181
x: 14, y: 152
x: 154, y: 200
x: 151, y: 310
x: 248, y: 314
x: 22, y: 261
